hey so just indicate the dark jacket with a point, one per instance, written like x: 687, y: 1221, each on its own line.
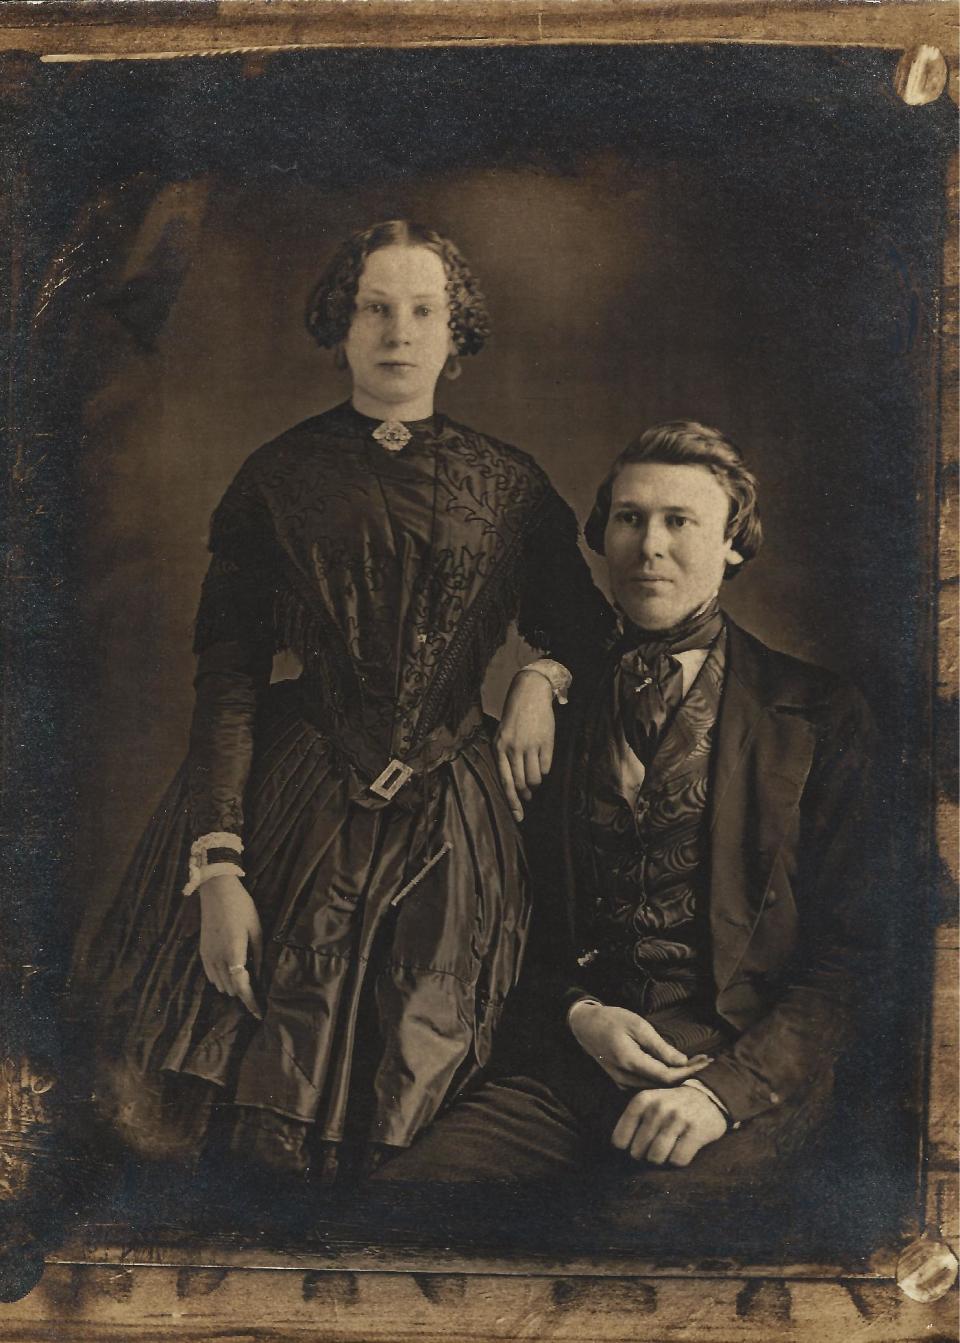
x: 792, y: 904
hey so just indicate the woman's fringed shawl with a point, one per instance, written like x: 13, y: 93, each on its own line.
x: 254, y: 593
x: 507, y: 595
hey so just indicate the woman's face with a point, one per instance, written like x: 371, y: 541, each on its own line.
x: 399, y: 337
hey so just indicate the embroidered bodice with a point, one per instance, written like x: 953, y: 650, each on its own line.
x: 393, y: 575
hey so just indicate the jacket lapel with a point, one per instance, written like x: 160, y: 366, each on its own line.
x: 574, y: 750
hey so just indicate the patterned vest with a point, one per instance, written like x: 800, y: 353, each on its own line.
x: 641, y: 860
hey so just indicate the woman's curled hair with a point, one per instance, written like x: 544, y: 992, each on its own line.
x: 330, y: 307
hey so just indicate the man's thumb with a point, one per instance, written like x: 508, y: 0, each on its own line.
x: 652, y: 1041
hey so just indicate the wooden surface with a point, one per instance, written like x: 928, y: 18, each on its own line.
x: 161, y: 28
x: 941, y: 1152
x: 123, y: 1301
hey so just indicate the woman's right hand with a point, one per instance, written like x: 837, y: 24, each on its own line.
x: 628, y: 1048
x: 230, y: 935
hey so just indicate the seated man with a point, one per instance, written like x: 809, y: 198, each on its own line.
x: 702, y: 902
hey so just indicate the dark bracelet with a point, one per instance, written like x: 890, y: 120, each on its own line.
x: 223, y: 856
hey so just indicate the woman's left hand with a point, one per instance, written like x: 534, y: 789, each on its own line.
x: 524, y: 740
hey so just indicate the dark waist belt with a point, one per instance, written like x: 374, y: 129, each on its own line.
x: 386, y: 782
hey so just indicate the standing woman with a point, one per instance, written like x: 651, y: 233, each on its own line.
x: 345, y: 843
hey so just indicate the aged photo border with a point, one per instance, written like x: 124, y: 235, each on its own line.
x: 370, y: 1284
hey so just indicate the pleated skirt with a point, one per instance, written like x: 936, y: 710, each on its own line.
x: 393, y: 932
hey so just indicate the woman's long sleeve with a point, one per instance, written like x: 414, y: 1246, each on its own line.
x: 234, y: 643
x: 562, y: 612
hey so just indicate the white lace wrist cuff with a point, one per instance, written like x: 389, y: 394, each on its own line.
x: 560, y: 678
x: 201, y: 869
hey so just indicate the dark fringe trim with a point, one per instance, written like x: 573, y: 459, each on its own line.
x: 232, y: 609
x: 454, y: 687
x: 317, y: 642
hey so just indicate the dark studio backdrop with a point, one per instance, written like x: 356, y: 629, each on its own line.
x: 748, y: 237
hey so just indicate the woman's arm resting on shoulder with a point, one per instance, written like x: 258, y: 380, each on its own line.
x: 562, y: 613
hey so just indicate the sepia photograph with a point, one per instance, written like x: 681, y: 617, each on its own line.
x: 479, y: 686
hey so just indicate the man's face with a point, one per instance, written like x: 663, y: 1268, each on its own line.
x: 399, y: 336
x: 664, y: 541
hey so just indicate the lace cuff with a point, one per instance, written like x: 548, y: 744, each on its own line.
x: 211, y: 856
x: 560, y: 678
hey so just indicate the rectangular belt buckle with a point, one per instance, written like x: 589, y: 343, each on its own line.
x: 390, y: 780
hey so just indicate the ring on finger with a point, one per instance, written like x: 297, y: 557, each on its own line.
x: 232, y: 969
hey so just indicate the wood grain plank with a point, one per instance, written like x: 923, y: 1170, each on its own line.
x: 942, y: 1148
x: 166, y: 29
x: 942, y: 1144
x: 99, y: 1303
x: 238, y: 1254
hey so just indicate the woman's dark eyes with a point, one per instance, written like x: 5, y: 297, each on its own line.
x: 676, y: 521
x: 422, y: 309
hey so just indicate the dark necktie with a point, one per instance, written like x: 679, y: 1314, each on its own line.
x: 651, y: 678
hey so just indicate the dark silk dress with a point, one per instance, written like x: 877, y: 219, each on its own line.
x: 394, y: 926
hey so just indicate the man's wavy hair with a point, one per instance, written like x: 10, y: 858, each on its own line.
x: 686, y: 443
x: 330, y: 307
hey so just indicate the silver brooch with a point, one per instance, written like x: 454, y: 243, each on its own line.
x: 392, y: 435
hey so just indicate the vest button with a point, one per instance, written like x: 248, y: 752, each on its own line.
x: 772, y: 897
x: 774, y: 1098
